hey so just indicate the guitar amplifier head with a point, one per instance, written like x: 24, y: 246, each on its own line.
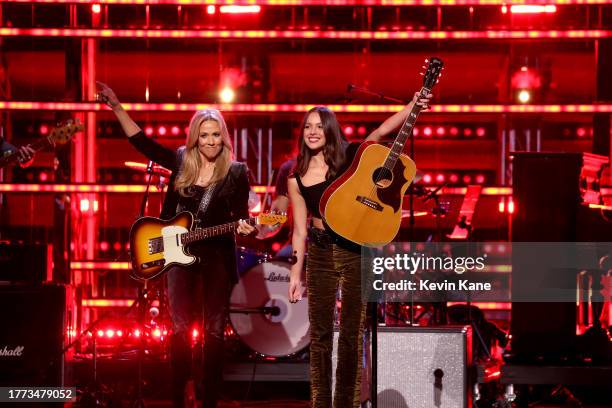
x: 424, y: 367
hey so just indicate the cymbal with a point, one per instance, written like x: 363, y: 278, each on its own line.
x: 156, y: 169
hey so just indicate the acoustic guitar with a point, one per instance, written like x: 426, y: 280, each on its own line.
x: 364, y: 205
x: 155, y: 244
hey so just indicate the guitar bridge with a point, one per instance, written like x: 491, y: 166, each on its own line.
x: 370, y: 203
x: 146, y: 265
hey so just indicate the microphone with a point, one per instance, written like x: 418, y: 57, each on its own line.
x: 150, y: 167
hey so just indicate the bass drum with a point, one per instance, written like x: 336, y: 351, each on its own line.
x: 278, y: 334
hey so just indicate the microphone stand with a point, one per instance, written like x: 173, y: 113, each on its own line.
x: 142, y: 296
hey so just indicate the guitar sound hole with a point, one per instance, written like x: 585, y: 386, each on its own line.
x: 382, y: 177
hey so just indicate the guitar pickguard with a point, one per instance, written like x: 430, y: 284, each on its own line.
x: 391, y: 195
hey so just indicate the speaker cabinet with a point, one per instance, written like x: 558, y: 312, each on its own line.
x: 32, y: 335
x: 424, y: 367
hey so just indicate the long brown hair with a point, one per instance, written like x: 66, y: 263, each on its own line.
x: 335, y: 143
x: 190, y: 168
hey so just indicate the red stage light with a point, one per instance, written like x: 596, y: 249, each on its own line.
x: 119, y: 333
x: 104, y: 246
x: 110, y: 333
x: 532, y: 9
x: 440, y: 178
x: 96, y: 8
x: 480, y: 178
x: 136, y: 333
x: 162, y: 130
x: 427, y: 131
x: 467, y: 132
x: 415, y: 131
x: 44, y: 129
x: 427, y: 178
x: 501, y: 206
x: 440, y: 131
x: 157, y: 333
x: 100, y: 333
x: 276, y: 246
x: 361, y: 131
x: 581, y: 132
x: 454, y: 131
x: 43, y: 176
x: 453, y: 178
x: 511, y: 207
x: 117, y: 246
x: 349, y: 130
x: 175, y: 130
x: 467, y: 179
x: 211, y: 9
x: 240, y: 9
x: 148, y: 130
x: 481, y: 132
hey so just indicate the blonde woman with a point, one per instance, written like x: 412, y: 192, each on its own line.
x: 215, y: 189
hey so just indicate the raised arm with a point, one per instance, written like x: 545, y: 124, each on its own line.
x: 153, y: 150
x: 397, y: 119
x: 298, y: 241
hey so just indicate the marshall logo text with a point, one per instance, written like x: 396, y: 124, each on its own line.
x: 7, y: 352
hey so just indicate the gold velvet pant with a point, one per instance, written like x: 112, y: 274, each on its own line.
x: 330, y: 266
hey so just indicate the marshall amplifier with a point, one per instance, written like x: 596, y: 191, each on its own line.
x: 424, y: 367
x: 32, y: 335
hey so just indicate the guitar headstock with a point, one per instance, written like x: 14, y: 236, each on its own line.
x: 433, y: 71
x: 271, y: 219
x: 63, y: 133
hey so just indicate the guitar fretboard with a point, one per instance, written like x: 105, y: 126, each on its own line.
x: 203, y: 233
x: 404, y: 133
x: 38, y: 145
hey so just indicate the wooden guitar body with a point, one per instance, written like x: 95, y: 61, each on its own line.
x: 364, y: 205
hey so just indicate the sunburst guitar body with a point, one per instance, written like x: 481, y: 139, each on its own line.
x: 364, y: 205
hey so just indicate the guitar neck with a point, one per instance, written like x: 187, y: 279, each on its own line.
x: 209, y: 232
x: 36, y: 146
x: 404, y: 133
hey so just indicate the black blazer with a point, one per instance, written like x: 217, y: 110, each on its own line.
x: 229, y: 202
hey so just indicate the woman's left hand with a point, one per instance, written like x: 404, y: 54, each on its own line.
x: 244, y: 228
x: 422, y: 101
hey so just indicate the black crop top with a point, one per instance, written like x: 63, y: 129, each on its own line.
x: 312, y: 194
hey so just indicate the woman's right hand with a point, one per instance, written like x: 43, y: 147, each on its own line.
x: 107, y: 95
x: 295, y: 290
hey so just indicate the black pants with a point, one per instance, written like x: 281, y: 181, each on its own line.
x: 199, y: 292
x: 331, y: 266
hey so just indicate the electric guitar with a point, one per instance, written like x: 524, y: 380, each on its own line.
x: 58, y: 136
x: 364, y: 205
x: 155, y: 244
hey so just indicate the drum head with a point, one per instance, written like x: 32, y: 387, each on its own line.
x: 267, y: 285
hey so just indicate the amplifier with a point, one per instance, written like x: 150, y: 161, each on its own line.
x: 32, y: 335
x: 424, y: 367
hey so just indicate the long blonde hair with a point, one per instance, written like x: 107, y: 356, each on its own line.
x: 190, y: 168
